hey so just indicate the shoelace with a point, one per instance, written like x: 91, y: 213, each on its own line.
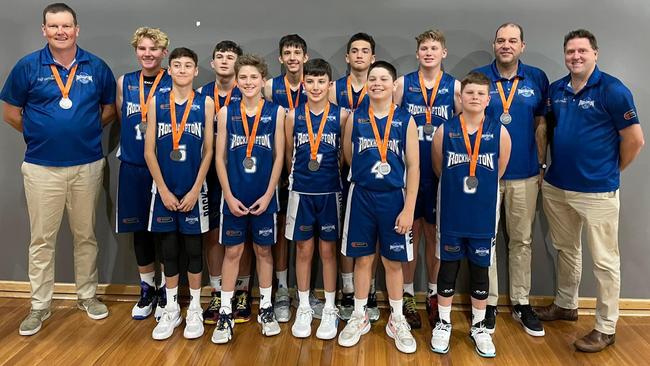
x: 224, y: 322
x: 194, y: 316
x: 304, y: 313
x: 480, y: 334
x: 215, y: 303
x: 403, y: 329
x: 242, y: 300
x: 166, y: 317
x: 441, y: 327
x: 409, y: 304
x: 37, y: 313
x: 356, y: 322
x: 329, y: 312
x: 527, y: 313
x: 267, y: 315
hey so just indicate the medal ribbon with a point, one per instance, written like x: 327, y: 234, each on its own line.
x: 477, y: 145
x: 177, y: 132
x: 144, y: 105
x: 287, y: 88
x: 217, y: 106
x: 313, y: 145
x: 65, y: 90
x: 507, y: 102
x: 244, y: 119
x: 350, y: 95
x: 382, y: 145
x: 434, y: 93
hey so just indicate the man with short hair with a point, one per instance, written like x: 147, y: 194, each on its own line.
x: 60, y: 97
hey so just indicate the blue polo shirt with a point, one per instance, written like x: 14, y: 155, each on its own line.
x: 585, y: 148
x: 528, y: 102
x: 56, y: 136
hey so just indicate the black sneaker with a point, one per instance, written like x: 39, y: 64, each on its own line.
x: 525, y: 315
x: 490, y: 318
x: 242, y: 306
x: 371, y: 307
x: 211, y: 313
x: 347, y: 306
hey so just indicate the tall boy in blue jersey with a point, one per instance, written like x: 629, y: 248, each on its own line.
x: 59, y: 98
x: 178, y: 152
x: 596, y: 134
x: 519, y: 102
x: 313, y: 153
x: 431, y: 96
x: 249, y: 156
x: 470, y: 154
x: 380, y: 143
x: 134, y: 91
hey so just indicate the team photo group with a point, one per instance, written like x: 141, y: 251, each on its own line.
x: 364, y: 169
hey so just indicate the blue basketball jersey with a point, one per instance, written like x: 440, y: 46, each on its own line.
x: 327, y: 178
x: 208, y: 90
x: 442, y: 111
x: 280, y: 93
x: 180, y: 175
x: 248, y: 185
x: 464, y: 212
x: 342, y: 99
x: 131, y: 139
x: 364, y: 169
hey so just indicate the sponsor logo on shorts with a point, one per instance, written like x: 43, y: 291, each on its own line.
x: 452, y: 248
x: 396, y: 247
x: 328, y: 228
x: 233, y: 233
x: 130, y: 220
x: 629, y: 114
x: 482, y: 252
x: 358, y: 244
x: 306, y: 228
x: 265, y: 231
x: 164, y: 219
x: 192, y: 220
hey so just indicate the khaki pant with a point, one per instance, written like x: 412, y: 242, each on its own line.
x: 50, y: 190
x: 568, y: 212
x: 520, y: 199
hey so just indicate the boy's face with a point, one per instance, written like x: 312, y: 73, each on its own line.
x: 223, y: 63
x: 380, y: 83
x: 475, y: 97
x: 150, y: 56
x: 317, y: 87
x: 360, y: 56
x: 293, y: 58
x: 183, y: 70
x: 430, y: 53
x: 250, y: 81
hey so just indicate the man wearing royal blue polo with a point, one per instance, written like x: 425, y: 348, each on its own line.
x: 60, y: 97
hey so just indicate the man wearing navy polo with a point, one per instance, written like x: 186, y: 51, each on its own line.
x: 518, y: 100
x: 60, y: 97
x: 596, y: 135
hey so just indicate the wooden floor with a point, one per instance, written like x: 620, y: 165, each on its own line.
x: 69, y: 337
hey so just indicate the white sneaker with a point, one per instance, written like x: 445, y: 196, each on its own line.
x: 302, y: 324
x: 282, y: 305
x: 266, y: 318
x: 329, y: 324
x: 193, y: 323
x: 357, y: 326
x: 482, y: 340
x: 170, y: 319
x: 440, y: 337
x: 400, y: 331
x: 224, y: 329
x: 144, y: 307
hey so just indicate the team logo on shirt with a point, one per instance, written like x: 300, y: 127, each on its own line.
x: 166, y: 89
x: 366, y: 143
x: 396, y: 123
x: 84, y: 78
x: 586, y: 103
x: 488, y: 136
x: 443, y: 91
x: 526, y: 92
x: 484, y: 160
x: 327, y: 138
x: 265, y: 119
x: 241, y: 140
x: 441, y: 111
x: 132, y: 108
x: 47, y: 78
x: 629, y: 114
x: 192, y: 128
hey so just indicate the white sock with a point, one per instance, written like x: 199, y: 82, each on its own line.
x: 226, y: 301
x: 172, y: 298
x: 477, y: 315
x: 265, y: 296
x: 282, y: 278
x: 432, y: 289
x: 348, y: 282
x: 215, y: 282
x: 330, y: 300
x: 360, y: 305
x: 242, y: 283
x: 372, y: 285
x: 162, y: 279
x: 303, y: 296
x: 396, y: 309
x: 408, y: 289
x: 444, y: 312
x: 148, y: 278
x: 195, y: 298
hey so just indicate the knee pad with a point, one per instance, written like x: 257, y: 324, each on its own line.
x: 145, y: 250
x: 447, y: 278
x: 479, y: 281
x: 170, y: 251
x: 194, y: 251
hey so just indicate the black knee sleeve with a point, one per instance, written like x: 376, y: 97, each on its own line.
x: 479, y: 281
x: 194, y: 251
x: 447, y: 278
x: 145, y: 250
x: 170, y: 247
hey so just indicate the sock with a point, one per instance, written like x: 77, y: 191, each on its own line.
x: 265, y: 296
x: 195, y: 298
x: 432, y: 289
x: 372, y: 285
x: 477, y: 315
x: 330, y: 299
x: 162, y: 279
x: 172, y: 298
x: 303, y: 296
x: 148, y: 278
x: 215, y: 282
x: 226, y: 302
x: 282, y: 278
x: 242, y: 283
x: 444, y: 312
x: 360, y: 305
x: 348, y: 283
x: 408, y: 289
x: 396, y: 309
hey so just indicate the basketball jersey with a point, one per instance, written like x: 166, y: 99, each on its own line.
x: 327, y: 178
x: 280, y: 93
x: 464, y: 212
x: 364, y: 169
x: 342, y: 100
x: 442, y: 111
x: 131, y: 148
x: 180, y: 175
x: 208, y: 90
x: 249, y: 184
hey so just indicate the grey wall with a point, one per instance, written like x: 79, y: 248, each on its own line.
x: 106, y: 28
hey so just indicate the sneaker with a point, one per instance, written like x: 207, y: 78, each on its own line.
x: 161, y: 302
x: 282, y: 305
x: 490, y: 318
x: 145, y: 305
x: 33, y: 322
x: 169, y: 320
x: 316, y: 304
x: 432, y: 310
x: 193, y: 323
x: 482, y: 340
x: 211, y: 313
x: 371, y: 306
x: 224, y: 329
x: 400, y: 331
x: 329, y: 324
x: 302, y: 324
x: 266, y: 318
x: 358, y: 325
x: 93, y: 307
x: 525, y: 315
x: 347, y: 305
x: 411, y: 312
x: 242, y: 312
x: 440, y: 337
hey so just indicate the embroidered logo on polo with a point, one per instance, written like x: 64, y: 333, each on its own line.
x: 586, y: 103
x: 83, y: 78
x: 525, y: 92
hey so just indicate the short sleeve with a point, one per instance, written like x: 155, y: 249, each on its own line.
x: 16, y: 88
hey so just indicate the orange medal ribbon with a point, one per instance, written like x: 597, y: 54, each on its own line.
x: 313, y: 145
x: 244, y: 119
x: 287, y: 88
x: 477, y: 145
x: 217, y: 106
x: 65, y: 89
x: 177, y: 132
x: 507, y: 102
x: 144, y: 105
x: 423, y: 89
x: 350, y: 98
x: 382, y: 145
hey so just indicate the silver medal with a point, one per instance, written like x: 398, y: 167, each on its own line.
x: 142, y: 127
x: 65, y: 103
x: 248, y: 163
x: 384, y: 168
x: 505, y: 118
x: 471, y: 182
x: 176, y: 155
x: 313, y: 165
x: 428, y: 129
